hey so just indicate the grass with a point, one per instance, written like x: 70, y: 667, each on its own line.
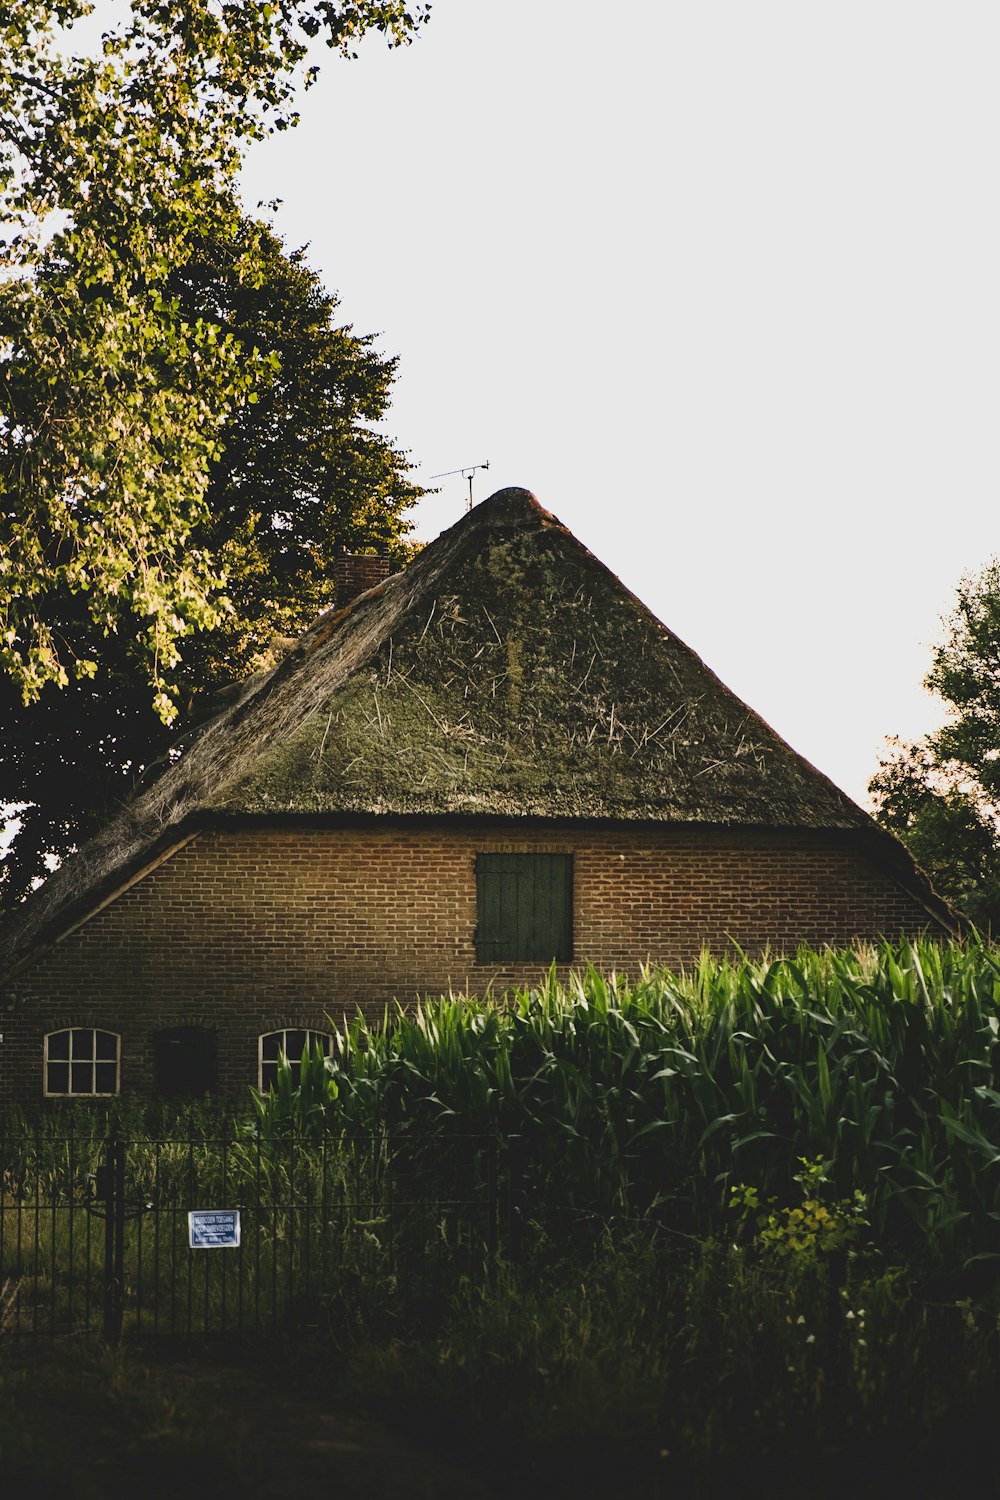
x: 760, y: 1230
x: 313, y: 1216
x: 649, y: 1372
x: 97, y: 1424
x: 614, y: 1098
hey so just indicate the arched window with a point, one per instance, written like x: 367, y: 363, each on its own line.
x: 291, y: 1042
x: 82, y: 1061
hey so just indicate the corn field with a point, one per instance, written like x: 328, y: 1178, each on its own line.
x: 657, y: 1097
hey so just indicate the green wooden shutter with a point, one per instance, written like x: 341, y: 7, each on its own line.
x: 525, y: 908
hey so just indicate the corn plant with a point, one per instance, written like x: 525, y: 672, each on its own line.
x: 658, y: 1094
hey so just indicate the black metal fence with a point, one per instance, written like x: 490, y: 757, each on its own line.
x: 96, y: 1234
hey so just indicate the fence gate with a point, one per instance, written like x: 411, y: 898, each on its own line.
x: 94, y: 1232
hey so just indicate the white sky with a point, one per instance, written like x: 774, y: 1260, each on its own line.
x: 720, y: 283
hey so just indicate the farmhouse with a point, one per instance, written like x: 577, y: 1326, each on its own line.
x: 494, y: 759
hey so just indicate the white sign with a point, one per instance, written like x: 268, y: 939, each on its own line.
x: 214, y: 1228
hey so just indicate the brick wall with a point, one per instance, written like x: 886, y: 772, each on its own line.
x: 355, y: 573
x: 253, y: 930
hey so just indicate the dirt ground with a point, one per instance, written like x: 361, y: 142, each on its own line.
x: 90, y: 1423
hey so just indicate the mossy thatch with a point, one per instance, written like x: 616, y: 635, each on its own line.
x: 529, y: 681
x: 505, y: 672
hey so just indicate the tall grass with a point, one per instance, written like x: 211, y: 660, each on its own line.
x: 320, y: 1221
x: 659, y: 1095
x: 660, y: 1369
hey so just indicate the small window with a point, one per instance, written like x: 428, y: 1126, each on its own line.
x: 292, y: 1043
x: 525, y: 908
x: 82, y: 1061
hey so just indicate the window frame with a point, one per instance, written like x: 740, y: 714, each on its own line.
x: 312, y: 1033
x: 70, y: 1060
x: 509, y: 944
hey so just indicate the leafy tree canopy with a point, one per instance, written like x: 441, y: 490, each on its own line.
x: 297, y: 475
x: 941, y: 795
x: 117, y: 169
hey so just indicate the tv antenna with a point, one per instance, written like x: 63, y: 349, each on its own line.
x: 466, y: 473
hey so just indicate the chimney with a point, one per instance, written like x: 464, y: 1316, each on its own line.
x: 355, y: 573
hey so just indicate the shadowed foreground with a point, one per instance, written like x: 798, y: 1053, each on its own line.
x: 95, y: 1423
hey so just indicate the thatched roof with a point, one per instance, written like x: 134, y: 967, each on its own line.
x: 505, y: 672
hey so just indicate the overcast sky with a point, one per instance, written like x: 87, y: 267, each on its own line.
x: 718, y: 281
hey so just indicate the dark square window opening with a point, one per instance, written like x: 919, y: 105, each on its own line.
x: 524, y: 908
x: 185, y: 1061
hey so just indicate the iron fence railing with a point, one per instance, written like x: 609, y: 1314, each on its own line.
x: 95, y: 1234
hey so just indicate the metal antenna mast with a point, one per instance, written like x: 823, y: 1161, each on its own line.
x: 466, y: 473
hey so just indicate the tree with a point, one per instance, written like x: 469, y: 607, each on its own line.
x: 941, y: 794
x: 303, y: 472
x: 298, y: 474
x: 116, y: 165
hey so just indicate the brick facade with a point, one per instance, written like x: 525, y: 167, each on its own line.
x: 254, y: 929
x: 354, y: 573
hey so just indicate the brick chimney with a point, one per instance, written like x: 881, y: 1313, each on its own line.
x: 355, y: 573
